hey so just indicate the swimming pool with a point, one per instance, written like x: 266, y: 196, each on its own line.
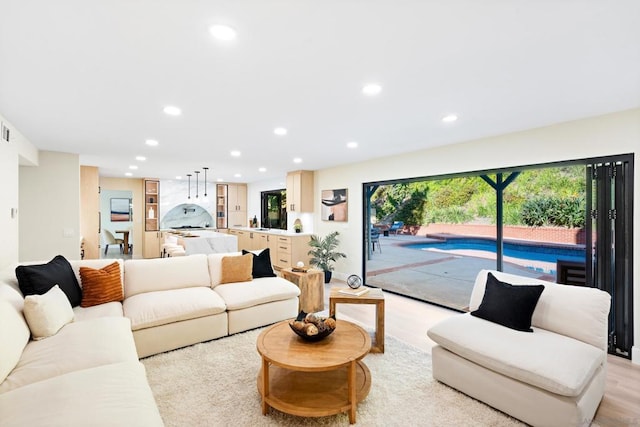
x: 542, y: 257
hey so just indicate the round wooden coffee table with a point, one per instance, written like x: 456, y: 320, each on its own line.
x: 314, y: 379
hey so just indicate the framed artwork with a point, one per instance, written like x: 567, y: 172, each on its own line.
x: 334, y: 205
x: 120, y: 210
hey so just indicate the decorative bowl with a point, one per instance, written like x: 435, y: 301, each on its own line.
x: 311, y: 327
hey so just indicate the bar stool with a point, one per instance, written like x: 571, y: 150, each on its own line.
x: 175, y: 251
x: 170, y: 242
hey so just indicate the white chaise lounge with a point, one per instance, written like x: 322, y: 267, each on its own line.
x: 554, y: 376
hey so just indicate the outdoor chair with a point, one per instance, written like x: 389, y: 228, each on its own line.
x: 375, y: 239
x: 396, y: 226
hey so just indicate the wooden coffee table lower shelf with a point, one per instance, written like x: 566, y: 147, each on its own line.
x: 314, y: 379
x: 314, y: 394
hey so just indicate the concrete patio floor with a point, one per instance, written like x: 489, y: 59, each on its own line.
x: 441, y: 278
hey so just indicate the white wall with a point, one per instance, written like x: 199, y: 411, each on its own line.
x: 50, y: 207
x: 617, y: 133
x: 17, y: 150
x: 8, y: 201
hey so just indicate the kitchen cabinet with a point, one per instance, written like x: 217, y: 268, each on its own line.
x: 290, y: 250
x: 266, y: 240
x: 237, y: 205
x: 243, y: 237
x: 300, y: 191
x: 151, y: 244
x: 151, y: 240
x: 221, y: 206
x: 285, y: 250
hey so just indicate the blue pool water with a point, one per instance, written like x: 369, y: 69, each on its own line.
x: 516, y: 250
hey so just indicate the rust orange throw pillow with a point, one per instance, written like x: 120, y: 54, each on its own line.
x: 101, y: 286
x: 237, y: 268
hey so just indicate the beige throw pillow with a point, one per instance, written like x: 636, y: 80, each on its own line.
x: 237, y: 268
x: 46, y: 314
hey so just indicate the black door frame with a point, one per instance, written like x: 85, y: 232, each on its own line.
x: 613, y: 271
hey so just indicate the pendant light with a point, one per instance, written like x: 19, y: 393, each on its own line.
x: 189, y: 194
x: 197, y: 174
x: 205, y: 181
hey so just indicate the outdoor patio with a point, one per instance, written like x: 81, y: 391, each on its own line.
x: 441, y: 278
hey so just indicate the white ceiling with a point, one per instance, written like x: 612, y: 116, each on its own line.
x: 92, y: 77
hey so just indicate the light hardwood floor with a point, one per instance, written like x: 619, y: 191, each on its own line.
x: 408, y: 321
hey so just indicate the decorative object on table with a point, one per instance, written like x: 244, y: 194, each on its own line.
x: 323, y: 253
x: 300, y: 268
x: 334, y: 205
x: 353, y: 292
x: 297, y: 226
x: 312, y: 327
x: 354, y: 281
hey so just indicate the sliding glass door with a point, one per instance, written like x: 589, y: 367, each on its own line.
x: 610, y: 245
x: 568, y: 222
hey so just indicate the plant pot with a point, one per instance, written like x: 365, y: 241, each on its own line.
x: 297, y: 230
x: 327, y: 276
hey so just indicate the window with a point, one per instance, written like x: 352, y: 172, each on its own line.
x: 555, y: 222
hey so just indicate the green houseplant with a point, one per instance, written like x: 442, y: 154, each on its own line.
x: 323, y: 253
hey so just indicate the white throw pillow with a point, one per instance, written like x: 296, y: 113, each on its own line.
x: 46, y: 314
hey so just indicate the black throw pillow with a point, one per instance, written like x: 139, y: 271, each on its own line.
x: 261, y: 264
x: 509, y: 305
x: 38, y: 279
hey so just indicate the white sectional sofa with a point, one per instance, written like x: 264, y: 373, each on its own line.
x: 554, y: 376
x: 89, y: 372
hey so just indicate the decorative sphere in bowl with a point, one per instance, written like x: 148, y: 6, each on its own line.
x: 312, y: 327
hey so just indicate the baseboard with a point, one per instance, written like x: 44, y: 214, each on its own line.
x: 635, y: 355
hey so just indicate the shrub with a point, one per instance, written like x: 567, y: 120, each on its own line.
x: 554, y: 211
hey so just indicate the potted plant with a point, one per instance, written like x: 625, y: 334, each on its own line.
x: 323, y: 253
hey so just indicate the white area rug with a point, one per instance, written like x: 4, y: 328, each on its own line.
x: 214, y: 384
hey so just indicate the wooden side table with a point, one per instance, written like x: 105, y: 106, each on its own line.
x: 374, y: 296
x: 311, y: 286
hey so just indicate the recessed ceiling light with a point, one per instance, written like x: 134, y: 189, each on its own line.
x: 223, y: 32
x: 352, y: 144
x: 297, y: 160
x: 172, y: 111
x: 133, y: 167
x: 280, y: 131
x: 128, y: 174
x: 178, y: 177
x: 141, y: 158
x: 262, y: 169
x: 151, y: 142
x: 450, y: 118
x: 371, y: 89
x: 237, y: 175
x: 236, y: 153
